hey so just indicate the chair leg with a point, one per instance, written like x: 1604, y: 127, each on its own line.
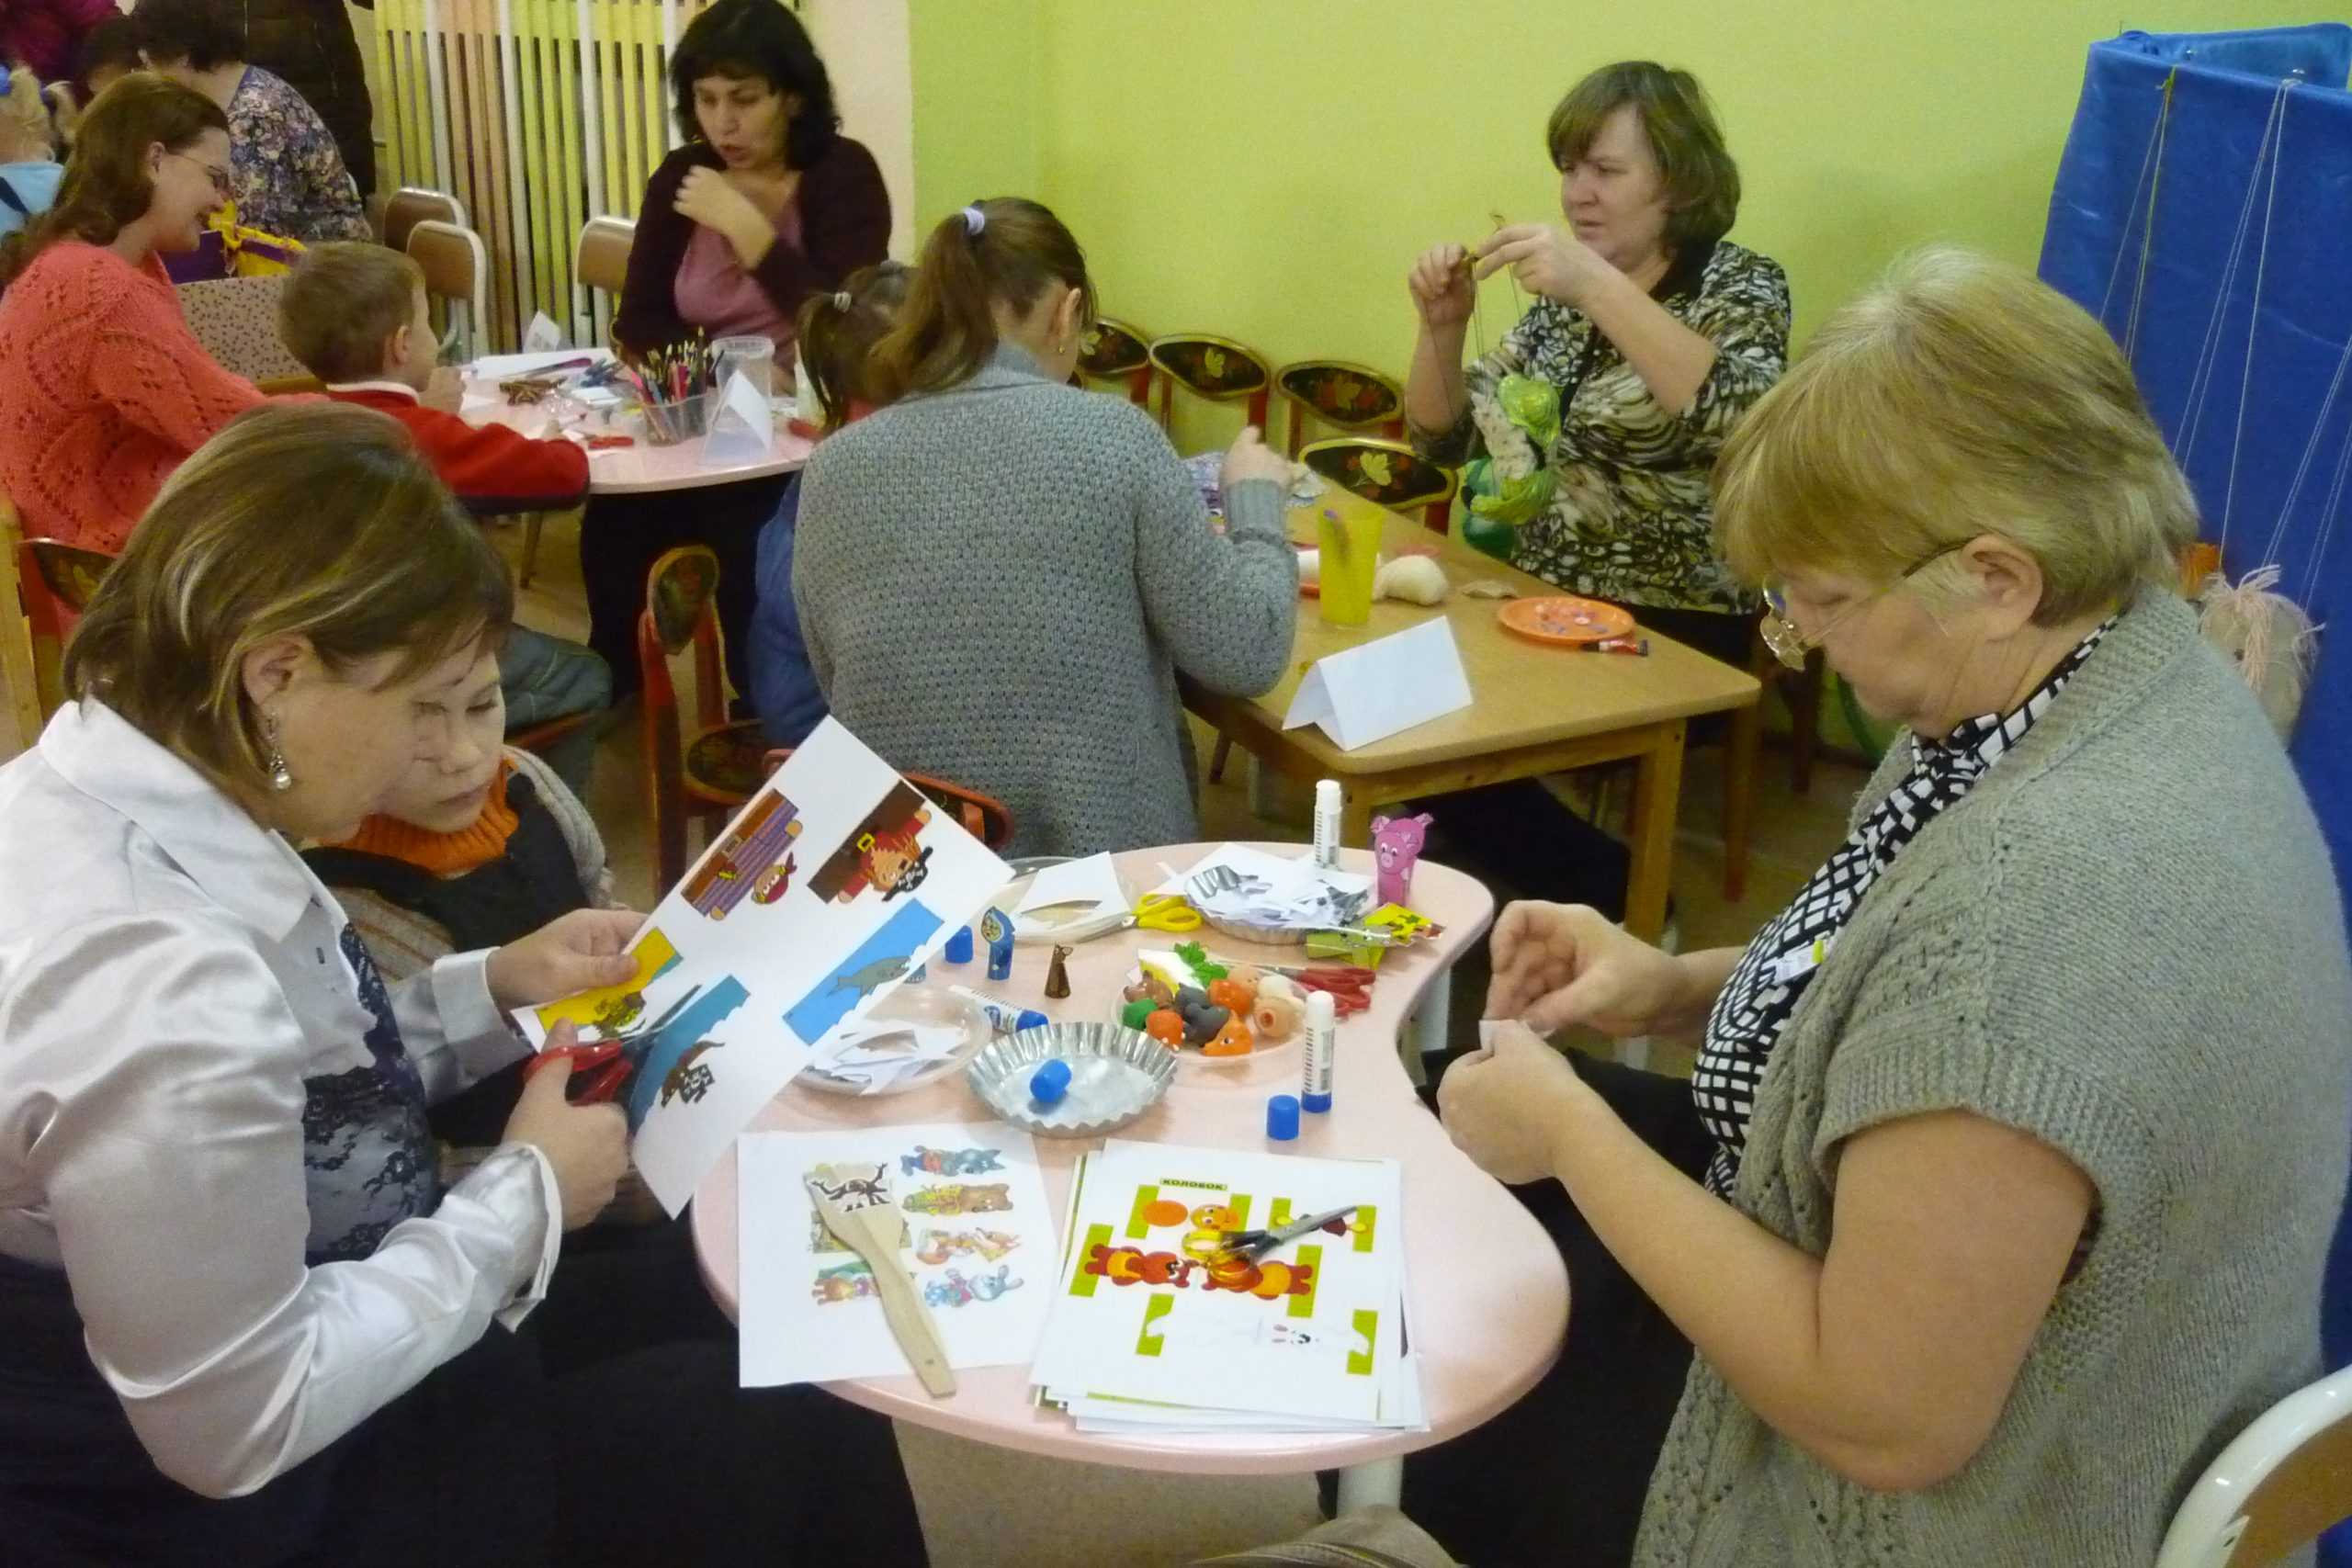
x: 1139, y: 388
x: 1258, y: 410
x: 532, y: 523
x: 1297, y: 431
x: 1804, y: 693
x: 1217, y: 758
x: 1438, y: 517
x: 1739, y: 793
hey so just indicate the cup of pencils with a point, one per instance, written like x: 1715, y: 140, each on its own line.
x: 673, y: 389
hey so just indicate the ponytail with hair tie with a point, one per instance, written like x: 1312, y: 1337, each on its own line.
x: 975, y: 220
x: 948, y: 329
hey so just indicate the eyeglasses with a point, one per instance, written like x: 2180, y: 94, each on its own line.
x: 221, y: 186
x: 1790, y: 645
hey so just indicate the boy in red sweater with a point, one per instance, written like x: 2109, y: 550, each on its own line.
x: 355, y: 315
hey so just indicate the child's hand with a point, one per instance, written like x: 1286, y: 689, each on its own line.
x: 446, y: 390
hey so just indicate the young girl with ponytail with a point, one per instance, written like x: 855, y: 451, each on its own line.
x: 999, y: 576
x: 836, y: 336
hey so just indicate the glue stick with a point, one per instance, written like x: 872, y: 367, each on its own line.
x: 1003, y: 1019
x: 1322, y: 1032
x: 1326, y: 823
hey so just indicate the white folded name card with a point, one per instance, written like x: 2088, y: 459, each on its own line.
x: 1380, y: 688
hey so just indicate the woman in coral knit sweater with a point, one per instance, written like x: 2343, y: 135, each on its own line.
x: 102, y: 388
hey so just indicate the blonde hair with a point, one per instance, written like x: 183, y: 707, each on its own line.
x: 341, y: 302
x: 1958, y: 396
x: 312, y: 520
x: 24, y: 120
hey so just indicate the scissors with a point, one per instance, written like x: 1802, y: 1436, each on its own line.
x: 601, y: 1069
x: 1254, y: 1245
x: 1165, y: 912
x: 1348, y: 985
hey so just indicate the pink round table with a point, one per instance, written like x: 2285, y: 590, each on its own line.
x: 1487, y: 1297
x: 643, y: 467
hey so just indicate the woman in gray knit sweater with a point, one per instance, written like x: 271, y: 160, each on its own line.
x: 999, y: 575
x: 2008, y: 1170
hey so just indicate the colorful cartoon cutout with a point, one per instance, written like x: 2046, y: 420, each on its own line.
x: 753, y: 860
x: 612, y: 1009
x: 881, y: 852
x: 883, y: 957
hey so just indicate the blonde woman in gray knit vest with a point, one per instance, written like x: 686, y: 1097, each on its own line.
x: 1999, y: 1200
x: 999, y: 575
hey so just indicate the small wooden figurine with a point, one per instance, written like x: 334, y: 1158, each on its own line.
x: 1056, y: 976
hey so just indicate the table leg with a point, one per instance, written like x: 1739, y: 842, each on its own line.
x: 1371, y: 1484
x: 1658, y: 792
x: 1430, y: 1021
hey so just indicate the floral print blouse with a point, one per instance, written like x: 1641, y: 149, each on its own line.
x: 289, y: 175
x: 1630, y: 518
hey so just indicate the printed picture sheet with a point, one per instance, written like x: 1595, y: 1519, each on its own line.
x: 981, y: 1244
x: 829, y: 889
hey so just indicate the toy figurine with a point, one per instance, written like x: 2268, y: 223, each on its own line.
x: 1233, y: 1040
x: 1202, y: 1022
x: 1058, y: 975
x: 1167, y: 1026
x: 996, y: 929
x: 1396, y: 845
x: 1134, y: 1014
x: 1277, y: 1015
x: 1231, y: 992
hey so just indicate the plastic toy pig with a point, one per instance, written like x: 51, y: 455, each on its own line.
x: 1396, y: 846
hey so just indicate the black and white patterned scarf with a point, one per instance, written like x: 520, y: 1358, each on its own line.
x: 1772, y: 974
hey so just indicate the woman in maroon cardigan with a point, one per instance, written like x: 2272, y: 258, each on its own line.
x: 766, y: 204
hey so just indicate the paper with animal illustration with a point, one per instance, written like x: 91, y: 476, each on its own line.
x: 981, y: 1244
x: 1152, y: 1305
x: 831, y: 886
x: 1383, y: 687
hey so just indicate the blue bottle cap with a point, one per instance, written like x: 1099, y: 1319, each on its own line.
x: 1049, y: 1082
x: 959, y: 947
x: 1031, y: 1019
x: 1317, y: 1102
x: 1282, y: 1117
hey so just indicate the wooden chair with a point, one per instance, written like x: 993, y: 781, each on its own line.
x: 1387, y: 472
x: 2286, y: 1478
x: 57, y: 580
x: 18, y: 672
x: 411, y: 205
x: 1115, y: 351
x: 1216, y: 368
x: 600, y: 260
x: 1350, y: 397
x: 984, y: 816
x: 456, y: 273
x: 709, y: 769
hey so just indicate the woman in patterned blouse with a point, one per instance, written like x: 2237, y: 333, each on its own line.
x: 2001, y: 1194
x: 289, y: 176
x: 1656, y: 333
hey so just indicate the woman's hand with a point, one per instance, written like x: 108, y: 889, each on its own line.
x: 1546, y: 259
x: 1556, y: 964
x: 585, y: 1146
x: 1250, y: 458
x: 1507, y: 1106
x: 710, y: 199
x: 1440, y: 284
x: 571, y: 954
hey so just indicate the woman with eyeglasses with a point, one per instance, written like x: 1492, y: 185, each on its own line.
x: 102, y: 388
x: 1944, y: 1247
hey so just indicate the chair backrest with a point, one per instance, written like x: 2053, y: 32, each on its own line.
x: 236, y: 320
x: 18, y: 674
x: 410, y: 205
x: 456, y: 270
x: 1114, y: 349
x: 1387, y: 472
x: 601, y: 258
x: 680, y: 611
x: 1214, y: 368
x: 54, y: 582
x: 2286, y: 1478
x: 984, y: 816
x: 1340, y: 394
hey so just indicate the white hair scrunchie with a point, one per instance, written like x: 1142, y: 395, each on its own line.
x: 840, y: 299
x: 974, y: 221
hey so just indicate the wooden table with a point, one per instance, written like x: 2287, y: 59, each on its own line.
x: 1487, y: 1292
x: 1535, y: 709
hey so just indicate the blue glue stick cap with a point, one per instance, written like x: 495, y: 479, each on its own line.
x: 959, y: 946
x: 1050, y: 1082
x: 1282, y: 1117
x: 1031, y: 1019
x: 1316, y: 1103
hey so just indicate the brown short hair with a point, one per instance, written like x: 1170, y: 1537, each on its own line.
x: 947, y: 329
x: 340, y: 303
x: 838, y: 331
x: 319, y: 520
x: 1701, y: 181
x: 1958, y: 396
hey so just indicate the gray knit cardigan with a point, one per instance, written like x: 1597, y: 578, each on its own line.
x: 999, y: 583
x: 2125, y: 941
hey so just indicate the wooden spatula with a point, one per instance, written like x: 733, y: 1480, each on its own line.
x: 874, y: 1229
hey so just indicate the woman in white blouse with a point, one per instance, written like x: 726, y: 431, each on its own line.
x: 225, y: 1252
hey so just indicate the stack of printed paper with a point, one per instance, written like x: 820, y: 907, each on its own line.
x: 979, y: 1245
x: 1236, y: 882
x: 1157, y: 1326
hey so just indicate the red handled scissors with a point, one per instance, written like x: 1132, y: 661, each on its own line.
x: 601, y: 1069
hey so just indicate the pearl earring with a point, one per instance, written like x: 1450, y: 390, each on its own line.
x: 281, y: 777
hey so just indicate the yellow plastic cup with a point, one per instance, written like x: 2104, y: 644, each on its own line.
x: 1350, y: 543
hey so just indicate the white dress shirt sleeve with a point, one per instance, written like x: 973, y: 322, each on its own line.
x: 159, y: 1105
x: 452, y: 1030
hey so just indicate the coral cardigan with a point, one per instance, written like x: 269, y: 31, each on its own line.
x: 103, y: 393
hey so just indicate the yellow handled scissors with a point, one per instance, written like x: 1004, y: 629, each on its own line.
x: 1165, y: 912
